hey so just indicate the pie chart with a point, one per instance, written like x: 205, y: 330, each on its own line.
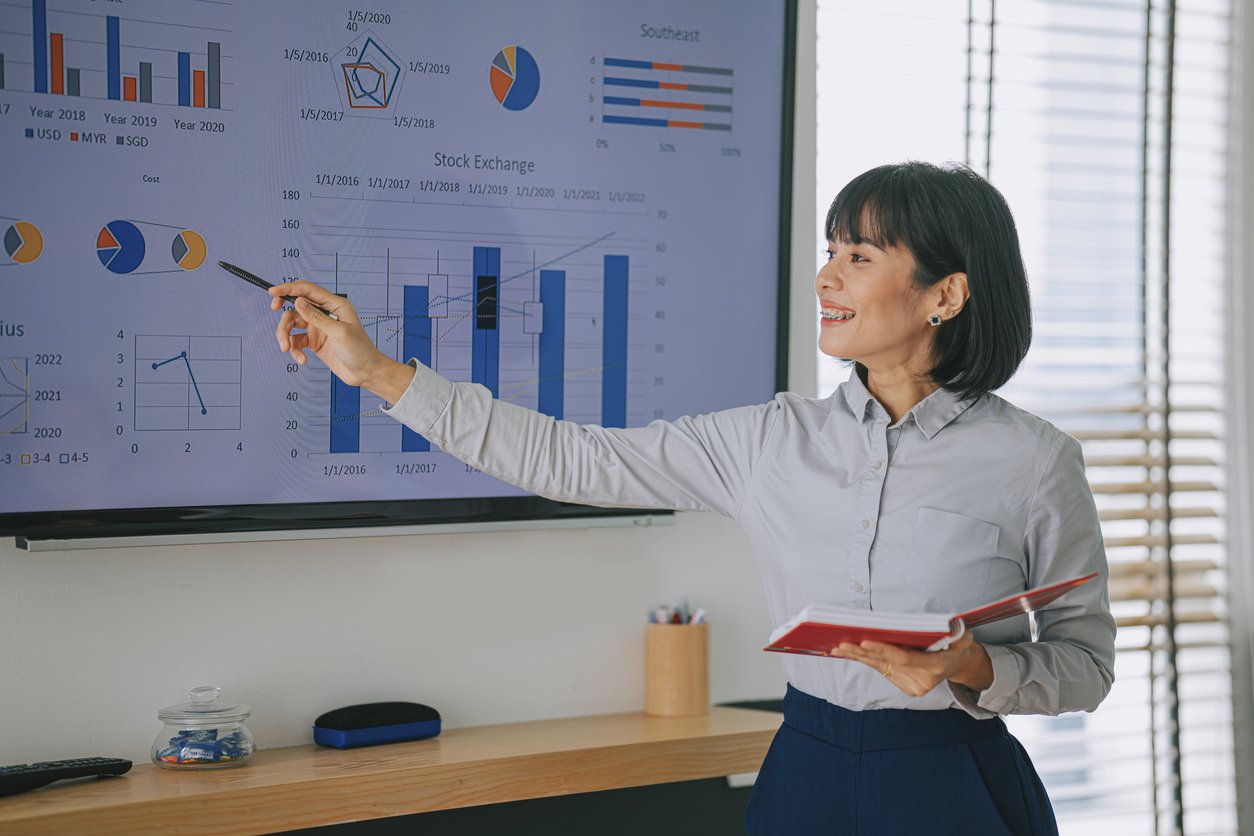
x: 23, y: 242
x: 188, y: 249
x: 515, y: 78
x: 120, y: 246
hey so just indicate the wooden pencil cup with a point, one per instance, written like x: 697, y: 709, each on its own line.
x: 676, y: 669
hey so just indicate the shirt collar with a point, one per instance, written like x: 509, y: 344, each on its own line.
x: 930, y: 415
x: 857, y: 395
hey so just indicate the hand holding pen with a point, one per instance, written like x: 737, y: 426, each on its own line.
x: 327, y: 324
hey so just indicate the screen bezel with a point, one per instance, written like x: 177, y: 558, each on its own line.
x: 311, y: 516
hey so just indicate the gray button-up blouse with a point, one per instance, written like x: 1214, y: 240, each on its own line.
x: 958, y: 503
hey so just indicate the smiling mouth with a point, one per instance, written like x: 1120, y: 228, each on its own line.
x: 831, y: 315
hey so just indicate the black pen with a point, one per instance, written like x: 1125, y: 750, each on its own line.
x: 240, y: 272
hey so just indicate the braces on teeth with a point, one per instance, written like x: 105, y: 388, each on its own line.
x: 828, y: 314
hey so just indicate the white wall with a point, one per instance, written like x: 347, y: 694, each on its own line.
x: 485, y: 627
x: 488, y: 628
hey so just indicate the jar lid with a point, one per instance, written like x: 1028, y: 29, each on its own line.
x: 205, y: 707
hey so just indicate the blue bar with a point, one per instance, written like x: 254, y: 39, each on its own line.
x: 553, y: 342
x: 345, y: 417
x: 185, y: 79
x: 633, y: 120
x: 627, y: 62
x: 632, y: 82
x: 113, y: 39
x: 416, y: 343
x: 39, y: 28
x: 621, y: 100
x: 614, y: 343
x: 485, y: 352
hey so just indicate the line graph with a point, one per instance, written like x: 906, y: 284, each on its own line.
x: 187, y: 382
x: 14, y: 395
x: 191, y: 377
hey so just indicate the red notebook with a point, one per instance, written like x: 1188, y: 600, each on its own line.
x: 818, y: 628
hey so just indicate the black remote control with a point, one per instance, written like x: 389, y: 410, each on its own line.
x: 28, y: 776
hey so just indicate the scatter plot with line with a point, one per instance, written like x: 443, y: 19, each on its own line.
x: 187, y: 382
x: 14, y: 395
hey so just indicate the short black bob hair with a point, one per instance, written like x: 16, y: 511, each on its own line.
x: 952, y: 221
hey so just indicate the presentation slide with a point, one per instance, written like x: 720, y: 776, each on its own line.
x: 574, y: 204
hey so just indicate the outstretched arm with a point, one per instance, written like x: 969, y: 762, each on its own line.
x: 698, y: 463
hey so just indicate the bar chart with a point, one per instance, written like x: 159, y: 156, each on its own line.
x: 655, y: 94
x: 80, y: 54
x: 510, y: 333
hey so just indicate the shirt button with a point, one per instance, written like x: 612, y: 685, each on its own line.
x: 878, y: 464
x: 856, y: 587
x: 866, y: 524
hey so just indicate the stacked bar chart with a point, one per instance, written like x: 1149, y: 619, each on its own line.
x: 438, y: 323
x: 654, y: 94
x: 55, y: 72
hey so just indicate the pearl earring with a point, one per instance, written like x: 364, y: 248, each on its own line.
x: 934, y: 320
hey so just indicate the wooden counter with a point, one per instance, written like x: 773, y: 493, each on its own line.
x: 307, y: 786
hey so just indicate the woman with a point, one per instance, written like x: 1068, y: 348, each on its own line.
x: 911, y: 488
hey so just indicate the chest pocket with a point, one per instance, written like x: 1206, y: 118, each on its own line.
x: 951, y: 559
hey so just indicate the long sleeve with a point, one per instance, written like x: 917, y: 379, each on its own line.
x: 1070, y: 667
x: 699, y: 463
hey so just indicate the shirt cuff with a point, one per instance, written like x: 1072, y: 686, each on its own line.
x: 999, y: 697
x: 424, y: 401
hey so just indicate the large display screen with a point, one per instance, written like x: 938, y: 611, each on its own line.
x: 575, y: 204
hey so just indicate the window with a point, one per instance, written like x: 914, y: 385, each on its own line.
x: 1104, y: 124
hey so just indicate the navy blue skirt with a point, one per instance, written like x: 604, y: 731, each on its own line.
x: 893, y: 771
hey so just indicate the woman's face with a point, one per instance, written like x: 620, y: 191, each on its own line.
x: 872, y: 311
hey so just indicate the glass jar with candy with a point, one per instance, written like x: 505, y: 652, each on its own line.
x: 203, y: 733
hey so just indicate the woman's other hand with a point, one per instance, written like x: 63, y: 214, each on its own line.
x: 917, y: 672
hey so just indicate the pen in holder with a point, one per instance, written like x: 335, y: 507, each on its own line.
x: 676, y: 669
